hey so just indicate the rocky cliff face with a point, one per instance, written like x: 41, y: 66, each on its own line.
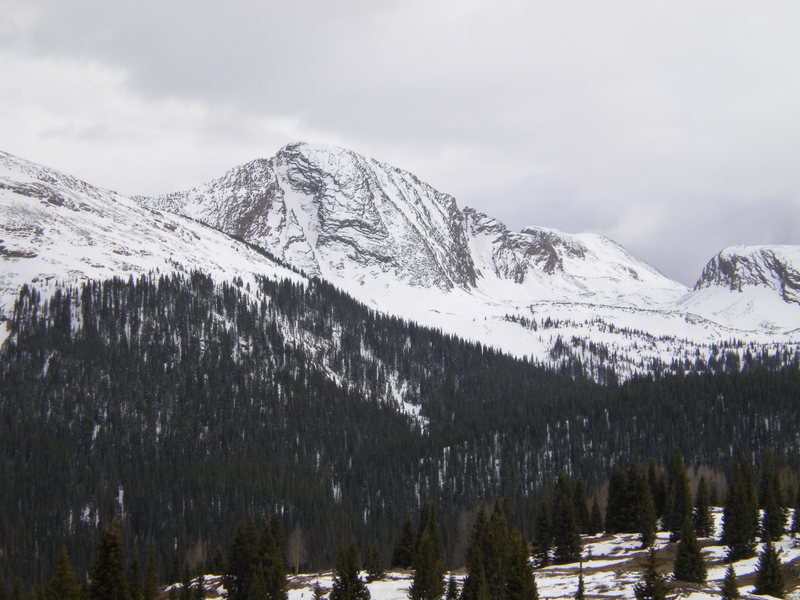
x: 352, y: 219
x: 771, y: 267
x: 334, y: 213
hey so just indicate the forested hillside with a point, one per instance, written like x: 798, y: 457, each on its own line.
x: 183, y: 407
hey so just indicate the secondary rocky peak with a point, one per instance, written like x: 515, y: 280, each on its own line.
x: 772, y: 267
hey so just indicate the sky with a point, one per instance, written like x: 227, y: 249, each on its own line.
x: 671, y: 127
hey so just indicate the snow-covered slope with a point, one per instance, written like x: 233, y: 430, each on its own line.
x: 334, y: 213
x: 402, y: 247
x: 756, y: 287
x: 55, y: 228
x: 398, y: 244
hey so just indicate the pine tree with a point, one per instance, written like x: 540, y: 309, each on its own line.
x: 579, y: 594
x: 654, y: 585
x: 428, y: 579
x: 773, y: 524
x: 476, y: 586
x: 730, y: 589
x: 616, y: 505
x: 740, y: 517
x: 647, y: 516
x: 519, y: 580
x: 581, y: 505
x: 769, y: 574
x: 373, y: 564
x: 65, y: 584
x: 347, y: 584
x: 543, y: 534
x: 403, y: 555
x: 566, y: 539
x: 316, y: 592
x: 272, y: 556
x: 678, y: 503
x: 257, y: 589
x: 689, y: 564
x: 108, y: 572
x: 702, y: 510
x: 655, y: 479
x: 595, y: 518
x: 242, y: 561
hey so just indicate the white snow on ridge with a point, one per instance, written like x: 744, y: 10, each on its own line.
x: 403, y: 248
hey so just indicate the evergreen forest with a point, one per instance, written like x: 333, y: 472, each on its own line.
x: 178, y: 408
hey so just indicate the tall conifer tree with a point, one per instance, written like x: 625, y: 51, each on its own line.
x: 566, y: 539
x: 242, y: 561
x: 653, y: 585
x: 702, y: 510
x: 678, y: 504
x: 108, y: 573
x: 689, y: 563
x: 730, y: 589
x: 428, y: 580
x: 543, y: 534
x: 65, y: 584
x: 740, y: 517
x: 347, y: 584
x: 769, y: 573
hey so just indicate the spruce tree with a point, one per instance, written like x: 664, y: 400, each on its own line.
x: 108, y: 572
x: 257, y: 589
x: 428, y: 578
x: 566, y: 539
x: 520, y: 583
x: 769, y: 573
x: 740, y: 517
x: 689, y: 564
x: 403, y: 554
x: 373, y: 564
x: 616, y: 505
x: 316, y: 592
x: 242, y: 561
x: 543, y: 534
x: 272, y: 557
x: 730, y: 589
x: 581, y: 505
x: 678, y: 503
x: 773, y: 523
x: 647, y: 516
x: 580, y: 593
x: 655, y: 479
x: 347, y: 584
x: 702, y: 517
x: 65, y: 584
x: 653, y: 585
x: 476, y: 586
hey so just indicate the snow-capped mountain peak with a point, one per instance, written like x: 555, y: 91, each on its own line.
x: 772, y: 267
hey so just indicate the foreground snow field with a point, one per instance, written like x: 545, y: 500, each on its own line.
x: 612, y: 565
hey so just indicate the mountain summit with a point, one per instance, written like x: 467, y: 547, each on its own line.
x: 352, y: 219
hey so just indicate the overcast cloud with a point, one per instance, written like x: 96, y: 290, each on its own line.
x: 672, y: 127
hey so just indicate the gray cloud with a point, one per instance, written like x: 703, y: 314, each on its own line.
x: 669, y: 126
